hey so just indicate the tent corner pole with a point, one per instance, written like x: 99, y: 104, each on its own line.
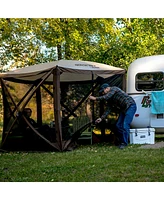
x: 56, y: 102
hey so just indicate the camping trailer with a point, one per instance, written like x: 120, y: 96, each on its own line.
x: 145, y: 83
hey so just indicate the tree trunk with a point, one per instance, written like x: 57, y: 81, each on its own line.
x: 59, y: 52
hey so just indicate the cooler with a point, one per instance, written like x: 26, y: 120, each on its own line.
x: 142, y: 136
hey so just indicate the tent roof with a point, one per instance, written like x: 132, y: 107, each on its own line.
x: 71, y: 70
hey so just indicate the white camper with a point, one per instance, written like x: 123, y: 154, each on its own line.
x: 145, y: 83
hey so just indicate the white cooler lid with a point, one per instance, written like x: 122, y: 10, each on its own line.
x: 142, y: 130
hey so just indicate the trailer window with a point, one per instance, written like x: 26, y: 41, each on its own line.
x: 150, y: 81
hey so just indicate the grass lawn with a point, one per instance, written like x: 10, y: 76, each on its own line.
x: 88, y: 163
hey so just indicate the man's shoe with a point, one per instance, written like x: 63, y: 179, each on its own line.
x: 122, y: 146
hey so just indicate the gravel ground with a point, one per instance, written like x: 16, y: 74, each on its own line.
x: 157, y: 145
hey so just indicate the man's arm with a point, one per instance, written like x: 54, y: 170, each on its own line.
x: 92, y: 98
x: 105, y: 114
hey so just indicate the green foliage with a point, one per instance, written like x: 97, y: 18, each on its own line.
x: 136, y: 38
x: 113, y: 41
x: 96, y: 163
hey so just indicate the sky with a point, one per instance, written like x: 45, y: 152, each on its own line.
x: 84, y: 8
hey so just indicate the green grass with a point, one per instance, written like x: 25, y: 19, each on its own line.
x: 94, y: 163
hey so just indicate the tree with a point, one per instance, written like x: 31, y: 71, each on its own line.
x: 30, y: 41
x: 112, y: 41
x: 135, y: 38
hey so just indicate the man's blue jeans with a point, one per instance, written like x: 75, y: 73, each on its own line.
x: 123, y: 124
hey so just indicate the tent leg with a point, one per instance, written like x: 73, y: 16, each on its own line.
x: 56, y: 89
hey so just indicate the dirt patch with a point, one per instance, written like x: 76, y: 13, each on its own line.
x: 157, y: 145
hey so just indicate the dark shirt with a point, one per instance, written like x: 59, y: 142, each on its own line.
x: 32, y: 122
x: 24, y: 126
x: 117, y: 98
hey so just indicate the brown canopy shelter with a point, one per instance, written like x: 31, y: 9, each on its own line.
x: 57, y: 73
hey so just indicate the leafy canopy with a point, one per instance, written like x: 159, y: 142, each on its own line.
x: 28, y: 41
